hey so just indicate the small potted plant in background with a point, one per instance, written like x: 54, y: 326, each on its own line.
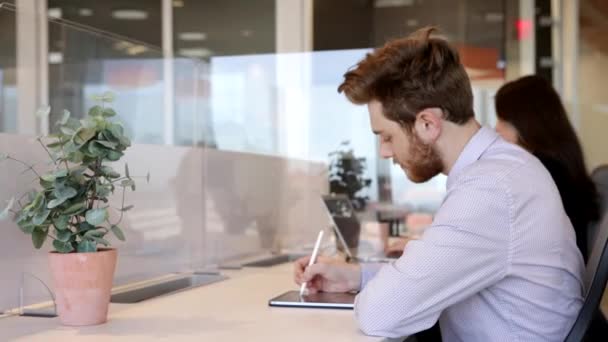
x: 346, y: 175
x: 72, y: 208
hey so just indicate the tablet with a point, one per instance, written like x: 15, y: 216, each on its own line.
x: 325, y: 300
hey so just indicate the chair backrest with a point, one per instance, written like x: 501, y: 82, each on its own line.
x: 600, y: 179
x: 596, y: 277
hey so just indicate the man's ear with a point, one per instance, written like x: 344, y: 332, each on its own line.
x: 428, y: 124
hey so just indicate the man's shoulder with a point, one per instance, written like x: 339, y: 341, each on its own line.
x: 500, y: 161
x: 488, y: 188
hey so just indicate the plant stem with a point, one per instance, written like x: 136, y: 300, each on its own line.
x: 78, y: 222
x: 93, y: 192
x: 47, y: 150
x: 26, y: 170
x: 121, y: 206
x: 65, y: 158
x: 30, y: 167
x: 21, y: 197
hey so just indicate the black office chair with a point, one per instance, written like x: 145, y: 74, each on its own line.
x: 600, y: 179
x: 596, y: 277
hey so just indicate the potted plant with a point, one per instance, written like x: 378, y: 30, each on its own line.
x: 71, y: 207
x: 346, y: 175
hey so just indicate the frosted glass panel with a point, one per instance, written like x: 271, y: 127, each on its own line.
x: 162, y: 104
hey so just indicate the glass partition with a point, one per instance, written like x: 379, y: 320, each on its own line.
x: 162, y: 103
x: 276, y: 118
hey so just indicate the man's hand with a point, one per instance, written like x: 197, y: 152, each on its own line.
x: 327, y: 275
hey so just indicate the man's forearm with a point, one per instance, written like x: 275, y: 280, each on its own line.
x: 368, y: 271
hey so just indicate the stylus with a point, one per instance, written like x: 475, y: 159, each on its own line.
x: 315, y: 251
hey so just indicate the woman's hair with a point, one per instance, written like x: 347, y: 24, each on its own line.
x: 410, y: 74
x: 534, y: 109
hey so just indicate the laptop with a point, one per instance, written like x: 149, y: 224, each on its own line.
x: 347, y: 227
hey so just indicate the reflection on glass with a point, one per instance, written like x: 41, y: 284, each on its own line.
x: 287, y: 105
x: 162, y: 101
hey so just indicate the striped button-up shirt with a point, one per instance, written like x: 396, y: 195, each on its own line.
x: 498, y: 263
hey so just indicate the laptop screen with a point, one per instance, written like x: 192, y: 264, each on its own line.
x: 348, y: 229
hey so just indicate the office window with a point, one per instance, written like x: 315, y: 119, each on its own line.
x: 202, y: 29
x: 134, y: 19
x: 80, y: 66
x: 8, y: 72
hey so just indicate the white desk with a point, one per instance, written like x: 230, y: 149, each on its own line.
x: 232, y: 310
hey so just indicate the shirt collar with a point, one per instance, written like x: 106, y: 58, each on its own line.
x: 472, y: 152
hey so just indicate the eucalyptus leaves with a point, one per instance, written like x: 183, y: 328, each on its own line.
x: 72, y: 205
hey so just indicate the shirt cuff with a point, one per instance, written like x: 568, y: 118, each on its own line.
x: 368, y: 271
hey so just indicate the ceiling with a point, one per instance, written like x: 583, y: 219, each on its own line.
x: 205, y: 28
x: 232, y: 27
x: 221, y: 27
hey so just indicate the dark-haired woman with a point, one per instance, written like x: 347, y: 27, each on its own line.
x: 531, y: 114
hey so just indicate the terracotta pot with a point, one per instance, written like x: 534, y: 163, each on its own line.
x: 83, y: 284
